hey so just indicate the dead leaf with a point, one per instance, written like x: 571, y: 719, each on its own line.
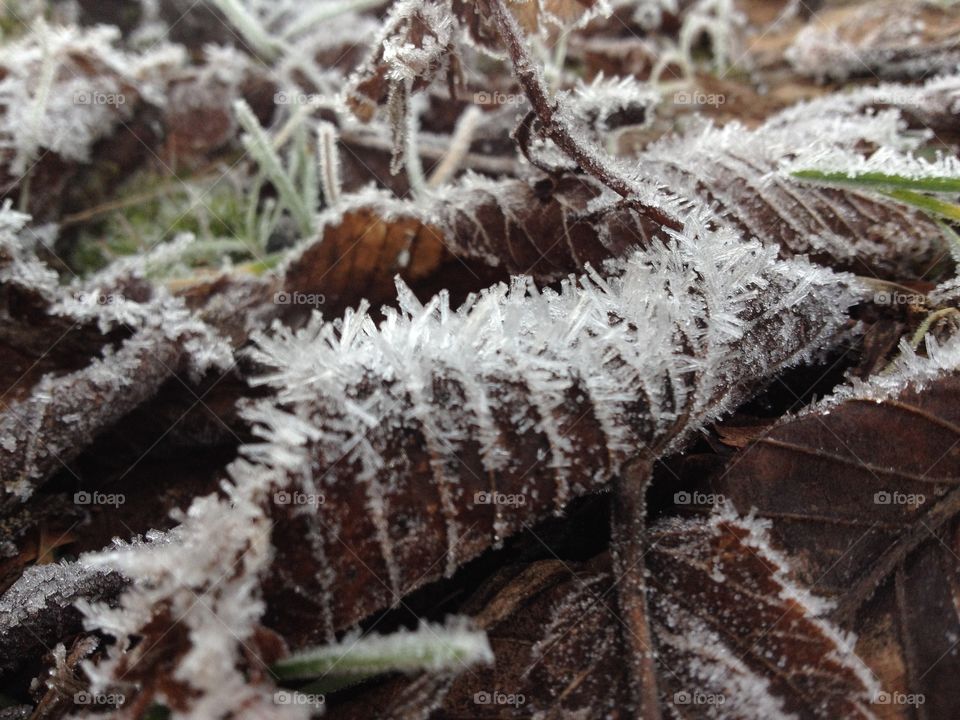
x: 863, y: 495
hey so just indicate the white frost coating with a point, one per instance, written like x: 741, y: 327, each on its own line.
x: 596, y: 102
x: 708, y: 304
x: 886, y: 160
x: 64, y: 88
x: 738, y: 171
x: 939, y: 96
x: 909, y: 371
x: 431, y: 647
x: 746, y: 693
x: 816, y: 608
x: 207, y: 573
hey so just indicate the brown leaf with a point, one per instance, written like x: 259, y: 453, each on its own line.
x: 358, y: 257
x: 863, y: 494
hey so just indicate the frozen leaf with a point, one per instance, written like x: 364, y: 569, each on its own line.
x: 881, y: 536
x: 454, y: 428
x: 415, y: 46
x: 64, y: 88
x: 738, y: 172
x: 37, y: 610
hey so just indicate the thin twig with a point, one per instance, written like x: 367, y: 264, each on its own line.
x: 592, y: 160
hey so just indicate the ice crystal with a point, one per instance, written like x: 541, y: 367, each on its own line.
x: 910, y: 370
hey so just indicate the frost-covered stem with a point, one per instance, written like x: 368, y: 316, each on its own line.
x: 928, y: 322
x: 430, y: 648
x: 591, y: 160
x: 628, y: 530
x: 329, y: 163
x: 259, y: 146
x: 250, y: 27
x: 412, y: 162
x: 459, y: 146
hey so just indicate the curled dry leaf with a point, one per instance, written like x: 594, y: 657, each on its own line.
x: 558, y: 641
x: 862, y: 491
